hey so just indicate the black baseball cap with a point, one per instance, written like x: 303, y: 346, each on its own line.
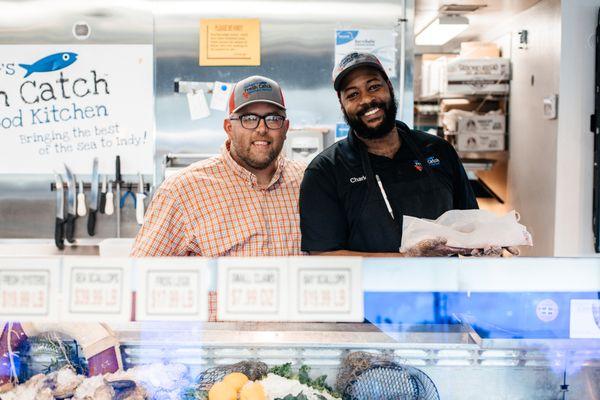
x: 351, y: 62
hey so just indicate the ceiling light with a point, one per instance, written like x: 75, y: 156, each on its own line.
x: 441, y: 30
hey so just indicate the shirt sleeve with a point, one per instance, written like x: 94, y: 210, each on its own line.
x: 322, y: 220
x: 464, y: 197
x: 165, y: 229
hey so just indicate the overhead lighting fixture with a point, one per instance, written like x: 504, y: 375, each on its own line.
x: 442, y: 29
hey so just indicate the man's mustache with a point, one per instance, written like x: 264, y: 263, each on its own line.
x: 362, y: 111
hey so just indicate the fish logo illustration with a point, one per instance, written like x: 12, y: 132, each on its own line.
x: 418, y: 166
x: 53, y: 62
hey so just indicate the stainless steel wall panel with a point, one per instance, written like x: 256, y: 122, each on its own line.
x: 297, y: 49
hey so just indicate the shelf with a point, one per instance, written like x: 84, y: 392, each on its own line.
x: 483, y: 155
x: 438, y: 97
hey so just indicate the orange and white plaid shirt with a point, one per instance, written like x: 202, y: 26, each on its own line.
x: 215, y: 208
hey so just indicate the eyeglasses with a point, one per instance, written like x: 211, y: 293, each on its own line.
x: 251, y: 121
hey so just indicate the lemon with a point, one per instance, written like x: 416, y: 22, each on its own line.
x: 221, y: 391
x: 253, y: 391
x: 235, y: 380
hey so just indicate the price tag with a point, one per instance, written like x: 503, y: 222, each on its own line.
x: 174, y: 292
x: 584, y: 321
x: 96, y: 289
x: 29, y: 289
x: 251, y: 289
x: 326, y: 289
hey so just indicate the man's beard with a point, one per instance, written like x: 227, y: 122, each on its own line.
x: 389, y: 119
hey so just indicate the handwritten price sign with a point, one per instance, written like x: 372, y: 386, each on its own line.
x: 29, y: 289
x: 97, y: 289
x: 24, y: 292
x: 326, y: 289
x: 251, y: 289
x: 177, y: 292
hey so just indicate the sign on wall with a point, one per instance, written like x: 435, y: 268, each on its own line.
x: 70, y: 103
x: 380, y: 42
x: 229, y: 42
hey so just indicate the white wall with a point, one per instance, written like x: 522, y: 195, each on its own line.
x: 531, y: 178
x: 575, y: 144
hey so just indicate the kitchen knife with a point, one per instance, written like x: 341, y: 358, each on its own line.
x: 139, y: 202
x: 91, y: 225
x: 71, y: 206
x: 118, y: 182
x: 59, y: 225
x: 110, y: 206
x: 103, y: 195
x: 81, y: 206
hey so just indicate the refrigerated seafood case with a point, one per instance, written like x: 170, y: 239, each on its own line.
x: 169, y: 359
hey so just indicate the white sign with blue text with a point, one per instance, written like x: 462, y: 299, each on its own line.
x: 380, y: 42
x: 70, y: 103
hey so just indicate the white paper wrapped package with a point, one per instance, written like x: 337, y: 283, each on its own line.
x: 469, y: 229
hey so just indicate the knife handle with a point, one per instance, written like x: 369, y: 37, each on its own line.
x: 102, y: 202
x: 70, y: 228
x: 59, y: 233
x: 118, y: 169
x: 91, y: 225
x: 81, y: 206
x: 110, y: 207
x: 139, y: 208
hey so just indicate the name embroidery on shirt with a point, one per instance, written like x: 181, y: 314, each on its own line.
x: 358, y: 179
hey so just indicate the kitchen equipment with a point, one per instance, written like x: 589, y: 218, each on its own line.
x: 91, y: 226
x: 59, y: 225
x: 139, y: 204
x: 103, y: 195
x: 109, y: 207
x: 71, y: 206
x: 118, y: 182
x: 81, y: 206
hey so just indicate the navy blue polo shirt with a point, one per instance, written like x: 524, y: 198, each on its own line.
x: 335, y: 186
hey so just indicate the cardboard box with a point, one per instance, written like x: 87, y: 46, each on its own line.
x: 480, y: 142
x: 479, y: 50
x: 482, y: 124
x: 478, y: 69
x: 476, y: 88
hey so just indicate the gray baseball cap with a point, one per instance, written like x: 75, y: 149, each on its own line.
x: 255, y: 89
x: 351, y: 62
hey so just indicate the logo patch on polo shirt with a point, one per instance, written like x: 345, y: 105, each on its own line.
x: 432, y: 161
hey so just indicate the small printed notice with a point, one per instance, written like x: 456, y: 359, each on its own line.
x: 96, y: 290
x: 252, y: 289
x: 585, y: 319
x: 326, y: 289
x: 220, y: 97
x: 380, y: 42
x: 198, y: 105
x: 29, y: 290
x: 177, y: 292
x: 229, y: 42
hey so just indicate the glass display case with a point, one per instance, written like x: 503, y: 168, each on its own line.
x: 433, y: 328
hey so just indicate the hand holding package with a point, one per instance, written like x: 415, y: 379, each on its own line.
x: 468, y: 229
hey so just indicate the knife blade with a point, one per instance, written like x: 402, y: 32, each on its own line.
x: 59, y: 225
x: 91, y: 225
x: 71, y: 206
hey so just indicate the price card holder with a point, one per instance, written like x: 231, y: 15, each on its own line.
x: 97, y: 289
x: 29, y: 289
x: 584, y: 320
x: 176, y: 290
x: 252, y: 289
x: 326, y: 289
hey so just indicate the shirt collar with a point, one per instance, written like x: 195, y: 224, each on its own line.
x: 246, y: 175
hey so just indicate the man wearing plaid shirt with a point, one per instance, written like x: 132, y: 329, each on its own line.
x: 243, y: 202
